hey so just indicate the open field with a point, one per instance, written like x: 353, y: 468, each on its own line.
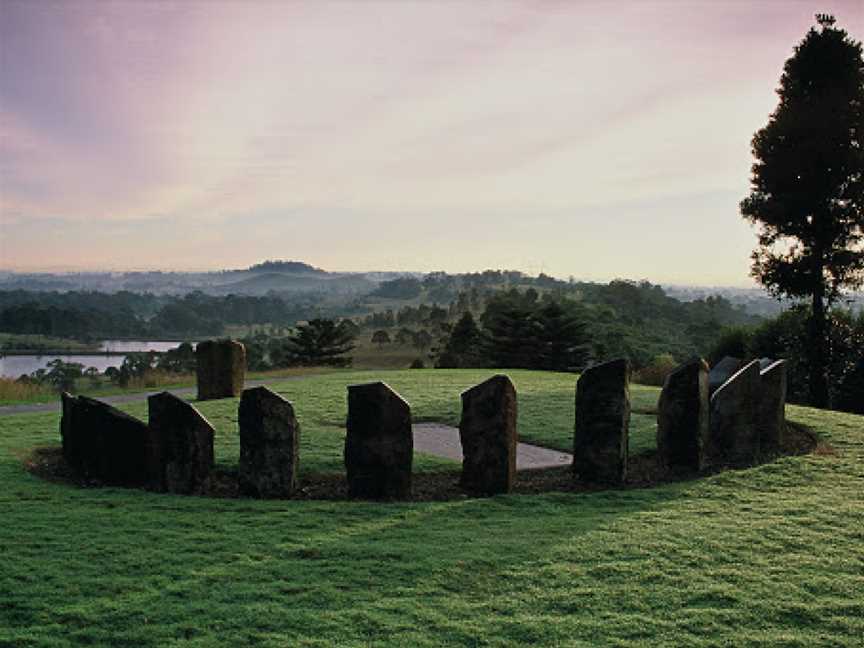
x: 767, y: 556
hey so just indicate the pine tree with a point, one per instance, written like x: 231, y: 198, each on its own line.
x: 807, y: 193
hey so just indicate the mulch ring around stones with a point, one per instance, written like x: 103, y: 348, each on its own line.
x: 643, y: 471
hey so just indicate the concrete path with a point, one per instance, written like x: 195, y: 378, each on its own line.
x: 443, y: 441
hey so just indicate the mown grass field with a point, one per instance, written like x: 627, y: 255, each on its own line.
x: 768, y: 556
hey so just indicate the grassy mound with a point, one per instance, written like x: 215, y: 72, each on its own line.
x: 771, y: 555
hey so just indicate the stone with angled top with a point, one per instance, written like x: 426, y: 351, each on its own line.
x: 269, y: 444
x: 600, y: 438
x: 180, y: 445
x: 102, y: 443
x: 771, y: 412
x: 220, y: 368
x: 682, y: 416
x: 734, y: 429
x: 379, y: 445
x: 488, y: 434
x: 723, y: 371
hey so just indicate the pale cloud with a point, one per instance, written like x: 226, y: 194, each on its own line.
x: 387, y: 134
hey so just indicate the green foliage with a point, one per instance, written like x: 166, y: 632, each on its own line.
x: 321, y: 342
x: 401, y: 288
x: 381, y: 338
x: 462, y: 348
x: 519, y: 330
x: 807, y: 192
x: 735, y: 342
x: 766, y: 556
x: 656, y: 372
x: 787, y: 336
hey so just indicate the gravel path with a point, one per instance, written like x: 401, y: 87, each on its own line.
x: 443, y: 441
x: 432, y: 438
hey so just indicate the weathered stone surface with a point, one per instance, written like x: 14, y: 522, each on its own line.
x: 103, y: 443
x: 220, y: 368
x: 734, y: 431
x: 600, y: 439
x: 850, y: 396
x: 682, y: 416
x: 771, y: 412
x: 180, y: 445
x: 488, y: 434
x: 723, y: 371
x: 269, y: 444
x: 379, y: 445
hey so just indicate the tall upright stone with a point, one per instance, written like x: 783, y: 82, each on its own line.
x: 180, y: 445
x: 269, y: 444
x: 220, y: 368
x: 734, y: 431
x: 771, y: 412
x: 379, y: 444
x: 103, y: 443
x: 488, y: 434
x: 600, y: 438
x: 723, y: 371
x: 682, y: 416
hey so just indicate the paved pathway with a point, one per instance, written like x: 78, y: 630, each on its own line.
x: 432, y: 438
x: 443, y: 441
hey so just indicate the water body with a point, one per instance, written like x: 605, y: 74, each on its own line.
x: 15, y: 365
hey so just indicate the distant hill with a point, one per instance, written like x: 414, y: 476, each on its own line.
x: 293, y: 267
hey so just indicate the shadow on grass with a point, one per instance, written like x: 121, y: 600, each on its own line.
x: 644, y: 471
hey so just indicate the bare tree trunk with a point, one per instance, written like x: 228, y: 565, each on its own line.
x: 818, y: 347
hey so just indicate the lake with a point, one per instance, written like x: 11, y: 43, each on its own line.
x: 16, y: 365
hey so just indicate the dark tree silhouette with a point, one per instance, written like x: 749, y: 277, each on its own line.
x: 322, y: 342
x: 381, y: 337
x: 462, y: 349
x: 807, y: 187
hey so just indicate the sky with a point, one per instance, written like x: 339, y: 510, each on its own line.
x: 587, y: 139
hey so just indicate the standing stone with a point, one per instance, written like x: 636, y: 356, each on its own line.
x: 600, y: 439
x: 269, y: 444
x: 220, y: 368
x: 71, y: 443
x: 488, y: 434
x: 682, y: 416
x: 850, y: 397
x: 180, y: 446
x: 103, y: 443
x: 771, y: 413
x: 379, y: 445
x: 723, y: 371
x: 734, y: 431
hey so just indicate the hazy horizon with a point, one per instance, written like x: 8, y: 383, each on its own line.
x: 592, y: 140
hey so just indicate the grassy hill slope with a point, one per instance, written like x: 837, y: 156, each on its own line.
x: 770, y: 555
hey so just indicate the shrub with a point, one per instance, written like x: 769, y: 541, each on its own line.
x: 655, y: 372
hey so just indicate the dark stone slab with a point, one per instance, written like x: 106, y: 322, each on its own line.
x: 103, y: 443
x: 771, y: 412
x: 850, y: 396
x: 269, y: 444
x: 379, y: 445
x: 600, y: 439
x: 682, y: 416
x: 488, y: 434
x: 220, y: 368
x: 180, y: 445
x: 734, y: 431
x: 723, y: 371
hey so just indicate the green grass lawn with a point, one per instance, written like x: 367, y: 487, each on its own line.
x: 768, y: 556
